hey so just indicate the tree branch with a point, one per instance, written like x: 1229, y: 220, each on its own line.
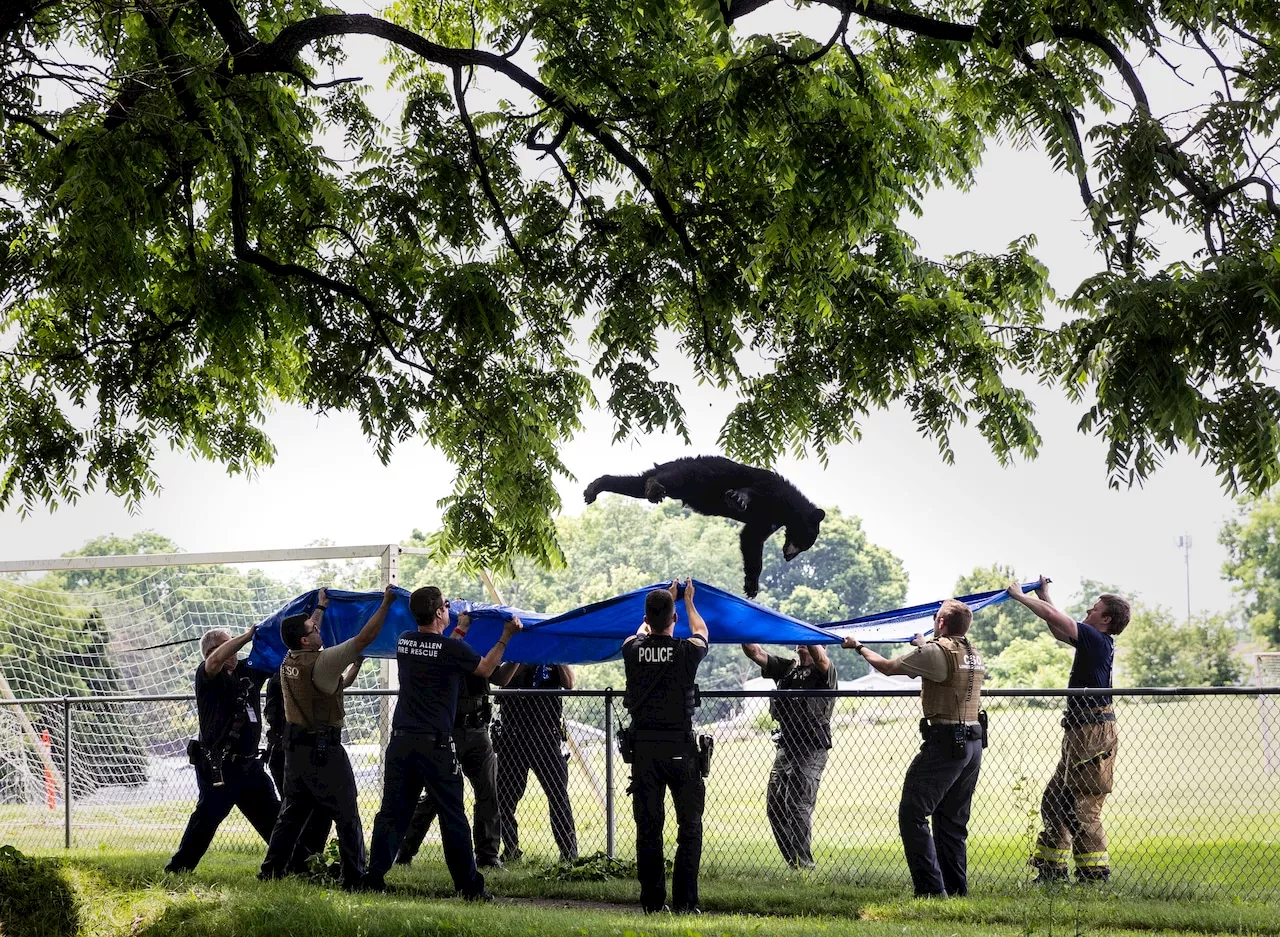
x: 482, y: 167
x: 35, y: 125
x: 278, y: 56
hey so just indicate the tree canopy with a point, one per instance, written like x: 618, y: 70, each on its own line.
x: 1252, y: 539
x: 203, y: 215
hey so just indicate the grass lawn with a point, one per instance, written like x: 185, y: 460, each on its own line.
x: 125, y: 894
x: 1195, y: 814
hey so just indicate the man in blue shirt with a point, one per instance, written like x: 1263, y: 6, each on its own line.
x: 421, y: 752
x: 1071, y: 807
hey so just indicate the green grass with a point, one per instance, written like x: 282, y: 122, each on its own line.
x: 126, y: 894
x: 1195, y: 813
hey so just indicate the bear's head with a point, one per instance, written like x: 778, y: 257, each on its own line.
x: 802, y: 533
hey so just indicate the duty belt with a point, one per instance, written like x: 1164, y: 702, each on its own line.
x: 426, y: 736
x: 971, y: 731
x: 297, y: 735
x: 1087, y: 717
x: 664, y: 735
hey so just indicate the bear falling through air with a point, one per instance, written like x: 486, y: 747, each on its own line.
x: 762, y: 500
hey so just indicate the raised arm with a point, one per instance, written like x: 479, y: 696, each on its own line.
x: 490, y: 661
x: 364, y: 637
x: 696, y: 624
x: 820, y: 660
x: 566, y: 676
x: 349, y: 675
x: 1062, y: 625
x: 504, y: 673
x: 220, y: 655
x: 888, y: 667
x: 756, y: 653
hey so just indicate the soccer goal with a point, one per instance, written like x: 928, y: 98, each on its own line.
x: 1267, y: 672
x: 127, y: 629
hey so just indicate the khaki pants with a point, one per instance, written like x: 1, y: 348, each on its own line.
x: 1071, y: 807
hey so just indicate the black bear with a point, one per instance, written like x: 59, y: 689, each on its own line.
x: 710, y: 484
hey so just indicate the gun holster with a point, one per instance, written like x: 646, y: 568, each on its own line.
x: 627, y: 744
x: 982, y: 721
x: 320, y: 749
x: 195, y: 751
x: 706, y: 745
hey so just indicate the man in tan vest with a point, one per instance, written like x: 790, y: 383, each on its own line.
x: 942, y: 778
x: 317, y: 772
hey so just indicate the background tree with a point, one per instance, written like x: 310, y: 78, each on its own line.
x: 996, y: 627
x: 1158, y: 649
x: 189, y: 242
x: 1252, y: 539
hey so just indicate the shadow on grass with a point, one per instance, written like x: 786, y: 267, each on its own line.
x: 223, y: 898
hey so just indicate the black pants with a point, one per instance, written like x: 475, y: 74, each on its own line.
x: 480, y: 767
x: 522, y: 749
x: 412, y: 763
x: 790, y: 799
x: 324, y: 783
x: 245, y: 785
x: 940, y: 787
x: 657, y: 767
x: 315, y: 834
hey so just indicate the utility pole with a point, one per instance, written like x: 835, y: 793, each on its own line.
x: 1185, y: 542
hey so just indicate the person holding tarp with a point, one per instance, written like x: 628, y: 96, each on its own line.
x: 1071, y: 807
x: 803, y: 738
x: 228, y: 770
x: 530, y: 736
x: 660, y: 746
x: 317, y: 771
x: 942, y: 777
x: 421, y: 751
x: 479, y: 764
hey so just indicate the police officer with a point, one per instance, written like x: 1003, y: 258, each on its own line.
x: 421, y: 753
x: 530, y: 737
x: 803, y: 739
x: 317, y: 772
x: 316, y: 832
x: 479, y: 765
x: 228, y: 771
x: 661, y: 696
x: 942, y: 778
x: 1071, y: 807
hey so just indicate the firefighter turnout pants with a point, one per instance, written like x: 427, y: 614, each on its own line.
x: 1071, y: 808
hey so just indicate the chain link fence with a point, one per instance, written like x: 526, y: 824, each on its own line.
x: 1195, y: 810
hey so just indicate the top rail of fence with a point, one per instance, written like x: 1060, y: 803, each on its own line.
x: 713, y: 694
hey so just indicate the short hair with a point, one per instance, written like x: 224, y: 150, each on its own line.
x: 1117, y: 609
x: 424, y: 603
x: 658, y: 608
x: 957, y: 616
x: 292, y: 631
x: 211, y: 639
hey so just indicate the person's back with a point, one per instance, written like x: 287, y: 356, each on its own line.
x: 661, y: 696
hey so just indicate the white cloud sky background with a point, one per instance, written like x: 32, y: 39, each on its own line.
x: 1055, y: 515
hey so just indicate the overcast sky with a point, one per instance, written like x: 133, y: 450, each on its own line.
x: 1055, y: 515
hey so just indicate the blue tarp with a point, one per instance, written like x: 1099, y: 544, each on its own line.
x: 594, y: 632
x: 902, y: 624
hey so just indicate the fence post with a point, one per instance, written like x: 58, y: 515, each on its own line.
x: 66, y: 770
x: 609, y: 817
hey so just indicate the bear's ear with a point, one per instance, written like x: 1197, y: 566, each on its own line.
x: 818, y: 515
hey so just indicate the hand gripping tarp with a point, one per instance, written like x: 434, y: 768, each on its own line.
x: 592, y: 633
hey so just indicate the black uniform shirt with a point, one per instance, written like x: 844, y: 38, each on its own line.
x: 431, y: 671
x: 538, y: 712
x: 1095, y: 652
x: 661, y: 672
x: 804, y: 721
x: 225, y: 699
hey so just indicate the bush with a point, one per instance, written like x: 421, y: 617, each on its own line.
x: 35, y: 898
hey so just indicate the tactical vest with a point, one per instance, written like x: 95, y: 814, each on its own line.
x: 304, y: 704
x: 958, y: 698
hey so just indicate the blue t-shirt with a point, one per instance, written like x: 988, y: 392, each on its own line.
x: 431, y: 671
x: 1095, y: 652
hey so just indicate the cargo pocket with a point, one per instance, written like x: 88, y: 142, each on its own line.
x: 1091, y: 769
